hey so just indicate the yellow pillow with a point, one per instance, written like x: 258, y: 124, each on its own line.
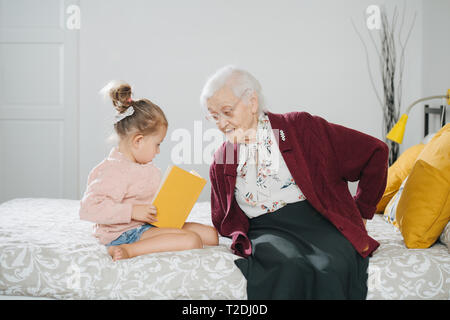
x: 424, y: 207
x: 397, y: 173
x: 437, y: 151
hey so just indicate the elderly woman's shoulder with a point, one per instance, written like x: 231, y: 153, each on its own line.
x: 297, y: 116
x: 299, y: 120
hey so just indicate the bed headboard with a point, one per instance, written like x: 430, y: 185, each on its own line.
x: 427, y: 110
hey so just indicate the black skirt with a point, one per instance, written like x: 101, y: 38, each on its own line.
x: 298, y: 254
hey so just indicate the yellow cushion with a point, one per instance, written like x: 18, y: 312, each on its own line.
x: 437, y: 151
x: 424, y: 206
x: 397, y: 173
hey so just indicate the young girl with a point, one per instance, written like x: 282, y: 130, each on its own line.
x: 120, y: 188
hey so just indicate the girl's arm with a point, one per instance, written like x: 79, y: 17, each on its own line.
x: 102, y: 200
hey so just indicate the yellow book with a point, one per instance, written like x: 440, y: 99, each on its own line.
x: 175, y: 197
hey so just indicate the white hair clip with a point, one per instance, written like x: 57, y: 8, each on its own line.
x: 120, y: 116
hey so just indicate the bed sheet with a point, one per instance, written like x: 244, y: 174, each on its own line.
x: 399, y: 273
x: 47, y: 251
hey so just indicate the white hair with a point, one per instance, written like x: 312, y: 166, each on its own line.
x: 238, y: 80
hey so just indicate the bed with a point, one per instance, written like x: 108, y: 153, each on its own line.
x: 46, y: 251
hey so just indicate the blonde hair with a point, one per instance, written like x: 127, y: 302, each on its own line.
x: 147, y: 119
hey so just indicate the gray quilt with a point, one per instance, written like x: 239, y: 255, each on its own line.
x: 46, y: 251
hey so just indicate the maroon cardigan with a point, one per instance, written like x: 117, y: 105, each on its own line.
x: 321, y: 157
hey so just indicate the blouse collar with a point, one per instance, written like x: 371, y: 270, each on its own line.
x: 115, y: 154
x: 261, y: 149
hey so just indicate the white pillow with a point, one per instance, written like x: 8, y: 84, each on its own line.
x: 390, y: 211
x: 445, y: 236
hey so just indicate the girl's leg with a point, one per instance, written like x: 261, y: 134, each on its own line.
x: 152, y: 232
x: 208, y: 234
x: 157, y: 240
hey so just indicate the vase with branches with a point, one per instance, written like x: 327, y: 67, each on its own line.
x: 390, y: 49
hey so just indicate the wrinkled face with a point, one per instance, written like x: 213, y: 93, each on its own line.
x: 146, y: 147
x: 236, y: 117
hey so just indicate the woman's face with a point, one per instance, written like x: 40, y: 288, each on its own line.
x: 236, y: 117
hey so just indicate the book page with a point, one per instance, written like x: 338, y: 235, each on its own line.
x: 163, y: 179
x: 195, y: 173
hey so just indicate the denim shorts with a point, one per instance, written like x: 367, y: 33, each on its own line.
x: 130, y: 236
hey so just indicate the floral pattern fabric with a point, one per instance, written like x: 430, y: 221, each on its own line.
x: 264, y: 183
x: 46, y: 251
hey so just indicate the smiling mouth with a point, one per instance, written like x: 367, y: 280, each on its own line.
x: 229, y: 131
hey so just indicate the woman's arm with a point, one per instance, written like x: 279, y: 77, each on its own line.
x: 217, y: 211
x: 241, y: 245
x: 359, y: 157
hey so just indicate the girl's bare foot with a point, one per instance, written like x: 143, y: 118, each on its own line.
x: 118, y: 252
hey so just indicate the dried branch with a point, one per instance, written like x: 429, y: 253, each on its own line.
x: 391, y: 68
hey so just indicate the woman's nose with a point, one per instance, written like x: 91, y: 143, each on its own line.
x: 222, y: 123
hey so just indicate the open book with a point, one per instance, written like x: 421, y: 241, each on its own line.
x: 175, y: 197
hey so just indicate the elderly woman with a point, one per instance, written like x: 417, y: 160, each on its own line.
x: 279, y: 191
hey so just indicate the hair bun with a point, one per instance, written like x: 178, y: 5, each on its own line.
x: 120, y: 93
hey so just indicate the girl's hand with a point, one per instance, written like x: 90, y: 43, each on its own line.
x: 144, y: 213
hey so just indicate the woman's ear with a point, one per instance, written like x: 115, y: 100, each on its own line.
x: 254, y: 102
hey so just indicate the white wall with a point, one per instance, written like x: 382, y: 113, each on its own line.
x: 436, y: 54
x: 38, y: 101
x: 305, y: 54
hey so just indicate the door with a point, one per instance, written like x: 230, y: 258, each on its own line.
x: 38, y: 100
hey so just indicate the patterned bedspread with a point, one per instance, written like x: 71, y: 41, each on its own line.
x: 399, y: 273
x: 46, y: 251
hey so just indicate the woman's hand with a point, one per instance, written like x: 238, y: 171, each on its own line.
x: 144, y: 213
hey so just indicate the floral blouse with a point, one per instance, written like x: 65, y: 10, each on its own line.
x: 263, y: 182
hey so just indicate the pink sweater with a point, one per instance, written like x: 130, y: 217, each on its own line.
x: 113, y: 187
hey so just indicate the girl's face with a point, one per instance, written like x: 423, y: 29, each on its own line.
x: 146, y: 148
